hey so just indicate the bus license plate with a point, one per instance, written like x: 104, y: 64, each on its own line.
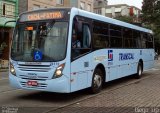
x: 32, y: 83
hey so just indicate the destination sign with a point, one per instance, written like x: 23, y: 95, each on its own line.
x: 41, y: 15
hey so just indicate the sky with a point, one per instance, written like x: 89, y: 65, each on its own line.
x: 137, y: 3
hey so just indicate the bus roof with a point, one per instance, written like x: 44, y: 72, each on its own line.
x: 96, y: 17
x: 110, y: 20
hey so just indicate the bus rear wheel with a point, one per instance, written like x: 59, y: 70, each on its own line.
x: 97, y: 81
x: 139, y: 71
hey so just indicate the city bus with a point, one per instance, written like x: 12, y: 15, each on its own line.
x: 42, y: 56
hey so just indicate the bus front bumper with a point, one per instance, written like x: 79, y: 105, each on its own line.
x: 59, y: 85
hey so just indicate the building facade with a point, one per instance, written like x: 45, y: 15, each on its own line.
x: 86, y: 5
x: 29, y: 5
x: 8, y: 12
x: 100, y: 6
x: 122, y: 10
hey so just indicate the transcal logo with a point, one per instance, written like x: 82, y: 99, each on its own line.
x: 126, y: 56
x: 110, y: 55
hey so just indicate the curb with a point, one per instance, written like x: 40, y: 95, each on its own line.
x: 3, y: 70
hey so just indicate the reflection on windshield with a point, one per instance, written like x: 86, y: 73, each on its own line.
x: 43, y: 41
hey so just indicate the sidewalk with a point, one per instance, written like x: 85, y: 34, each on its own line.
x: 4, y: 65
x: 3, y: 69
x: 141, y: 96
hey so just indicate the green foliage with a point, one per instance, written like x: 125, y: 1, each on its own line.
x: 151, y: 11
x: 151, y: 18
x: 127, y: 19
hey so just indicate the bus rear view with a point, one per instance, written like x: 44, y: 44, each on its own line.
x: 38, y: 51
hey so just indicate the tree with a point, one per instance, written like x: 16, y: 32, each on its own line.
x: 127, y: 19
x: 151, y: 18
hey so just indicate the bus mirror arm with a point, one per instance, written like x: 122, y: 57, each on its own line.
x: 4, y: 27
x: 8, y: 22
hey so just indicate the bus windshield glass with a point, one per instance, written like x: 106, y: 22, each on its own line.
x: 40, y: 41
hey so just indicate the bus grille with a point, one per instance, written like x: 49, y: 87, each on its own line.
x: 40, y: 85
x: 34, y: 78
x: 34, y: 68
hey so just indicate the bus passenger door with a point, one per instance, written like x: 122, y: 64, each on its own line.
x: 80, y: 64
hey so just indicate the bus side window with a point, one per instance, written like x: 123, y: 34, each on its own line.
x: 100, y: 35
x: 149, y: 41
x: 128, y: 38
x: 144, y: 40
x: 85, y: 42
x: 136, y: 39
x: 86, y: 36
x: 116, y: 36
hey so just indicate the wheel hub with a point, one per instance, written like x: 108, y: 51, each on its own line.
x: 97, y: 80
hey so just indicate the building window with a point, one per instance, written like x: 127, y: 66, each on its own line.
x: 82, y: 5
x: 89, y: 7
x: 8, y: 10
x: 117, y: 14
x: 98, y: 11
x: 61, y: 2
x: 35, y: 7
x: 4, y: 9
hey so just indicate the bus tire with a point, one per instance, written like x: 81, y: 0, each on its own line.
x: 97, y: 81
x: 139, y: 71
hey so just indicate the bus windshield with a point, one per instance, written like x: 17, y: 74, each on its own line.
x: 40, y: 41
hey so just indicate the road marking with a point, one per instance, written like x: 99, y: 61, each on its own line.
x: 3, y: 78
x: 153, y: 69
x: 10, y: 91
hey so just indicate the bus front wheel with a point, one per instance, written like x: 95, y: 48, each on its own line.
x: 139, y: 71
x: 97, y: 81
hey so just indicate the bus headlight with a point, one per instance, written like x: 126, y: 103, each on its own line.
x: 59, y: 70
x: 12, y: 70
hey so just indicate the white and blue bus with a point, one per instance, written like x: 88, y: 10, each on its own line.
x: 42, y: 56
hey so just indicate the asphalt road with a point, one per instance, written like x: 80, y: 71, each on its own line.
x: 24, y: 101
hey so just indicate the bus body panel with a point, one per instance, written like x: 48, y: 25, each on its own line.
x: 60, y: 85
x: 45, y: 80
x: 77, y: 74
x: 81, y: 76
x: 81, y: 73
